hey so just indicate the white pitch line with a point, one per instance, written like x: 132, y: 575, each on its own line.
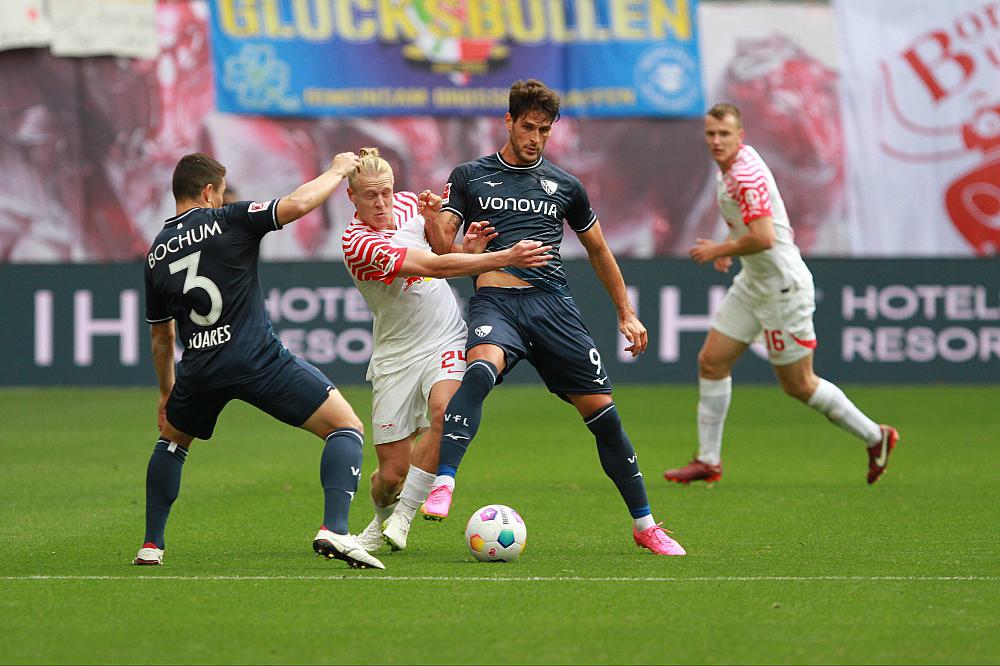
x: 530, y: 579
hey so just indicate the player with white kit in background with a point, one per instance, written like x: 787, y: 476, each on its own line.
x: 773, y: 294
x: 419, y: 334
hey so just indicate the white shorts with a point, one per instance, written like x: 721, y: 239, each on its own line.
x: 785, y: 319
x: 399, y: 399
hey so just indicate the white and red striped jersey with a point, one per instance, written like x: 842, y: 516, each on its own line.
x: 746, y: 192
x: 413, y: 315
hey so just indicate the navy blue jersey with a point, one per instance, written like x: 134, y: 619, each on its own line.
x: 522, y: 203
x: 202, y: 272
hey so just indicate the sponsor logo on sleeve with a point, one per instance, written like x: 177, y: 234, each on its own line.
x: 257, y: 207
x: 383, y: 261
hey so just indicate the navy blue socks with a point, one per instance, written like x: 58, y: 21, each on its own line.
x: 163, y: 483
x: 618, y: 458
x: 339, y: 472
x: 464, y: 412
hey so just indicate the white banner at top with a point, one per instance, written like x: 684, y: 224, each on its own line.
x: 23, y: 23
x: 125, y: 28
x: 920, y: 93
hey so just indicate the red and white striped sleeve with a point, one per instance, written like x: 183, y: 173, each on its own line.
x: 369, y: 256
x: 750, y: 188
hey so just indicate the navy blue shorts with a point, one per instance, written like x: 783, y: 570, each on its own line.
x: 544, y: 328
x: 289, y: 389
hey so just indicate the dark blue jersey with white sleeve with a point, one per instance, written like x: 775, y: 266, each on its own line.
x: 522, y: 203
x: 201, y: 271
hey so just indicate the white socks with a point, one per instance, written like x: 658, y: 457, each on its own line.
x: 713, y: 404
x: 830, y: 401
x: 444, y: 480
x: 383, y: 512
x: 643, y: 523
x: 416, y: 488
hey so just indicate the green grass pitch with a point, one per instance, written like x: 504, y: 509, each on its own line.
x: 792, y: 557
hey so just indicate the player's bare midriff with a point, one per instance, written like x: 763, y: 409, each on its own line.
x: 500, y: 279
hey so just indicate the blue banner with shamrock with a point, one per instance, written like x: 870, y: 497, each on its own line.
x: 609, y: 58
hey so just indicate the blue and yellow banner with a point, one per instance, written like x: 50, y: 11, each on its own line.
x: 608, y: 58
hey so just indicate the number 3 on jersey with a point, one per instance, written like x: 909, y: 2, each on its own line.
x: 194, y: 281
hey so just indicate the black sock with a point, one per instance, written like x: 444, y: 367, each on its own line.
x: 464, y: 412
x: 163, y: 483
x: 618, y: 459
x: 339, y: 471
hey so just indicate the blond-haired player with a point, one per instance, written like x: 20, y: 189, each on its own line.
x: 773, y: 294
x: 419, y: 334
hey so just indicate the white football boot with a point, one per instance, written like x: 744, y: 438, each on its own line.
x: 148, y: 555
x: 344, y: 547
x: 395, y: 528
x: 371, y: 537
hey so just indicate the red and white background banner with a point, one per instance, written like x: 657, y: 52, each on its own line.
x: 887, y: 146
x: 920, y: 95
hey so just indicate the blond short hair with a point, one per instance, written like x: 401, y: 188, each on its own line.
x: 371, y: 165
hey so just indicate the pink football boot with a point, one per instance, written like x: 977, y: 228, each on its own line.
x: 655, y: 539
x: 437, y: 504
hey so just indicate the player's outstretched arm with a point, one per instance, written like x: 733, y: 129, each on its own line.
x: 526, y: 254
x: 162, y: 344
x: 610, y: 275
x: 308, y: 196
x: 441, y: 233
x: 477, y: 236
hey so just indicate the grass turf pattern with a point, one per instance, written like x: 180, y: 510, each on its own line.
x: 792, y: 557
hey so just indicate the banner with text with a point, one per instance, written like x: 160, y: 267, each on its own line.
x: 878, y: 321
x: 608, y: 58
x: 921, y: 103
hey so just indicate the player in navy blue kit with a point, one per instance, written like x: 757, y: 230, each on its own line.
x: 530, y: 314
x: 201, y: 273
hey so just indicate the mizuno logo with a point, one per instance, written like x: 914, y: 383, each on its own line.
x: 637, y: 474
x: 492, y: 184
x: 351, y: 494
x: 601, y: 380
x: 455, y: 437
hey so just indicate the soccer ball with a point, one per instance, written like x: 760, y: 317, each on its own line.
x: 496, y: 533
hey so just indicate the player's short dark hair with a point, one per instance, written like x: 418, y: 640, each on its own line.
x: 723, y: 109
x: 533, y: 95
x: 193, y: 172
